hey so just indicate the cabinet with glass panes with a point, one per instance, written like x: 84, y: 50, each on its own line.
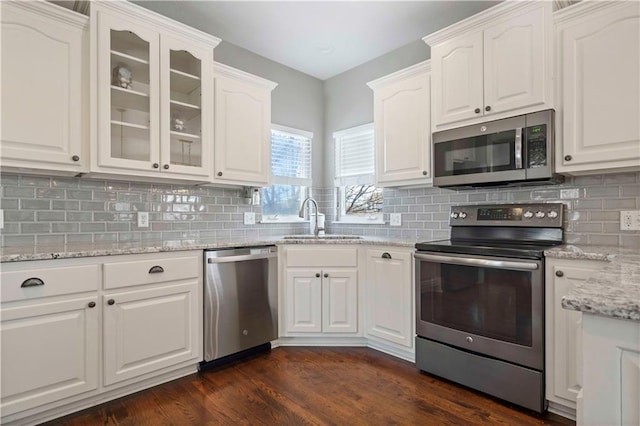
x: 153, y: 103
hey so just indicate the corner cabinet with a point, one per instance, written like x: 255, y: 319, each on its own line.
x: 388, y: 300
x: 44, y: 89
x: 598, y: 49
x: 402, y: 122
x: 564, y: 333
x: 152, y: 87
x: 242, y: 153
x: 494, y: 64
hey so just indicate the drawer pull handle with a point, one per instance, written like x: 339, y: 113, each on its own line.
x: 92, y: 304
x: 32, y: 282
x: 156, y: 269
x: 386, y: 255
x: 111, y: 302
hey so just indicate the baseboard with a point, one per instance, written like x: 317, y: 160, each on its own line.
x: 561, y: 410
x: 407, y: 354
x: 321, y: 341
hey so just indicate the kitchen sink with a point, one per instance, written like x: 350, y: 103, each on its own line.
x: 322, y: 237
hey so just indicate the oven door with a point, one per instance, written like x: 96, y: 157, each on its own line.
x: 480, y: 154
x: 487, y: 305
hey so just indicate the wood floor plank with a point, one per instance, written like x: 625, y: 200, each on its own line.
x: 310, y: 386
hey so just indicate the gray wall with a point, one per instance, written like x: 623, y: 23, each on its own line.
x: 296, y: 102
x: 348, y: 101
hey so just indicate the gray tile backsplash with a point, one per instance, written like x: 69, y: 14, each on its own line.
x: 43, y: 210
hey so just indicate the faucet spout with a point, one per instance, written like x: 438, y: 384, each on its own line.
x: 316, y: 229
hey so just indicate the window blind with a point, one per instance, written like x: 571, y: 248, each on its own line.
x: 355, y: 156
x: 290, y: 156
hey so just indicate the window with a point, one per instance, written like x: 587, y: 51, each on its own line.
x: 290, y: 174
x: 359, y: 200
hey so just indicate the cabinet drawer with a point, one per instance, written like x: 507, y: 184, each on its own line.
x: 150, y: 271
x: 34, y: 283
x: 322, y: 257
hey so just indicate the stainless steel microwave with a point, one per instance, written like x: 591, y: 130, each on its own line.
x: 512, y: 151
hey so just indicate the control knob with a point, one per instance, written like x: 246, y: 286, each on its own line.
x: 462, y: 215
x: 539, y: 214
x: 528, y: 214
x: 552, y: 214
x: 454, y: 215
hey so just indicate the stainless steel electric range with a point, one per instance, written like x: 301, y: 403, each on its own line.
x: 480, y: 299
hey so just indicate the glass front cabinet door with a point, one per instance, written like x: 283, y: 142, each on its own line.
x: 153, y: 94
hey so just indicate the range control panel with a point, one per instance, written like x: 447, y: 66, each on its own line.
x: 532, y: 215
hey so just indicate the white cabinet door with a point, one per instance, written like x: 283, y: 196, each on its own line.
x: 186, y: 107
x: 44, y: 88
x: 599, y: 64
x: 303, y: 296
x: 242, y: 128
x: 457, y: 79
x: 147, y: 330
x: 515, y: 66
x: 388, y: 296
x: 49, y: 352
x: 563, y: 330
x: 339, y: 301
x: 402, y: 116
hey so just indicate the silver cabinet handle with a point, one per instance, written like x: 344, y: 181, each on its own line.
x: 32, y: 282
x: 156, y: 269
x: 465, y: 261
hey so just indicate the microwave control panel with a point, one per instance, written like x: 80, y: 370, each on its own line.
x: 542, y: 215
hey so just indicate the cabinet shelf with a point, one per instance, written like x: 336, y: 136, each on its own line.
x: 129, y: 99
x: 139, y: 67
x: 185, y: 135
x: 183, y: 82
x: 185, y: 110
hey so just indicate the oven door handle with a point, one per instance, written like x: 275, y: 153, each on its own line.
x: 499, y: 264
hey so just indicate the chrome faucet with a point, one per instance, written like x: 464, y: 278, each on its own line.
x: 316, y: 230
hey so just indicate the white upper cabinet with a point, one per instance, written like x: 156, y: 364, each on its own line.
x: 402, y: 122
x: 44, y: 88
x: 492, y: 65
x: 152, y: 85
x: 598, y: 55
x: 242, y: 153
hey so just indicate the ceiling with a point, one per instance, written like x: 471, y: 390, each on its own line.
x: 319, y: 38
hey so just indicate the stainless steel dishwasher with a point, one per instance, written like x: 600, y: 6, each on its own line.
x: 240, y: 300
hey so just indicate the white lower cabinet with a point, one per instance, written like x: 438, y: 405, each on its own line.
x: 320, y: 290
x: 564, y: 333
x: 146, y: 310
x: 388, y: 296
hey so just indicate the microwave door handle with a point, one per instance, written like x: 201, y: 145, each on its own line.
x: 518, y: 148
x: 469, y: 261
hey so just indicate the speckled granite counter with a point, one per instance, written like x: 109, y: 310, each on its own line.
x: 44, y: 252
x: 614, y: 291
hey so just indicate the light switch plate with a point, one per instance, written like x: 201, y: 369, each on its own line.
x: 395, y: 219
x: 249, y: 218
x: 143, y: 219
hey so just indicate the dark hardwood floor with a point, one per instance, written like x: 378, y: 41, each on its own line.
x: 297, y: 386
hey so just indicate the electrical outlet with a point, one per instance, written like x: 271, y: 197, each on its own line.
x: 249, y: 218
x: 395, y: 219
x: 143, y: 219
x: 630, y: 220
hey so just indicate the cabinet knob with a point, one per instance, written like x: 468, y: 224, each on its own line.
x: 424, y: 173
x: 477, y: 110
x: 326, y: 275
x: 111, y: 302
x: 31, y: 282
x: 219, y: 173
x: 156, y: 165
x: 386, y: 255
x: 567, y: 158
x: 559, y: 274
x: 318, y: 275
x: 92, y: 304
x: 166, y: 167
x: 487, y: 108
x: 75, y: 158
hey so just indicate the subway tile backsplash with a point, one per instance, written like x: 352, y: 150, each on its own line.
x: 51, y: 210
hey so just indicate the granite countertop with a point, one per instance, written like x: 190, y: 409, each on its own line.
x: 614, y: 291
x: 45, y: 252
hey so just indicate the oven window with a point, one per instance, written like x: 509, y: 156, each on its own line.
x: 494, y: 303
x: 485, y: 153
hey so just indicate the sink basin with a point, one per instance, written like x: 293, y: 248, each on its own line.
x: 322, y: 237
